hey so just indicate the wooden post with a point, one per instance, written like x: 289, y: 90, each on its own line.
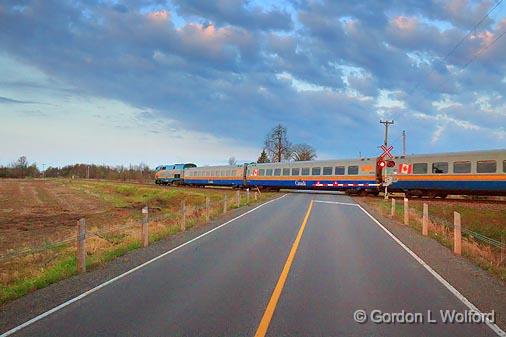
x: 392, y: 211
x: 502, y: 251
x: 208, y: 209
x: 247, y: 196
x: 183, y: 216
x: 225, y: 204
x: 457, y: 234
x: 81, y: 246
x: 425, y: 220
x: 256, y: 196
x: 406, y: 211
x: 238, y: 198
x: 145, y: 220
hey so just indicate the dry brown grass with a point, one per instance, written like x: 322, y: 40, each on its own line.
x: 109, y: 235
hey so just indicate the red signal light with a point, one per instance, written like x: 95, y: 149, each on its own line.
x: 390, y: 163
x: 381, y: 164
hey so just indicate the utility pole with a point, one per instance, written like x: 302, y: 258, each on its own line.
x: 386, y: 123
x: 88, y: 171
x: 404, y: 142
x: 44, y: 171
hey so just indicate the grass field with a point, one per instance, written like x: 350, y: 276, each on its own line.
x: 484, y: 217
x: 36, y: 213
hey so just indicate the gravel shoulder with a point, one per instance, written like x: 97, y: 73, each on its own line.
x: 21, y: 310
x: 481, y: 288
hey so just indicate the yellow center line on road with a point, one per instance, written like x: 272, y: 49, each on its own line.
x: 271, y: 307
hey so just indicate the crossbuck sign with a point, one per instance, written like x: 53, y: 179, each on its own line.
x: 386, y: 152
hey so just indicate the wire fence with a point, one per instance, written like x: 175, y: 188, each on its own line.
x: 469, y: 233
x: 485, y: 250
x: 193, y: 213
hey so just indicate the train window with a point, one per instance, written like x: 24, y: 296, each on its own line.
x: 440, y: 167
x: 305, y: 171
x: 316, y: 171
x: 462, y: 167
x: 286, y: 171
x: 261, y: 172
x: 327, y: 171
x: 420, y: 168
x: 268, y: 172
x: 295, y: 171
x: 339, y: 170
x: 353, y: 169
x: 277, y: 172
x: 486, y: 166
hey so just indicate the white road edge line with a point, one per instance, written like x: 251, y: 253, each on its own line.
x: 100, y: 286
x: 454, y: 291
x: 335, y: 202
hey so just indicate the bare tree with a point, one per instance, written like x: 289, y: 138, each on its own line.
x: 277, y: 145
x: 232, y: 161
x: 302, y: 152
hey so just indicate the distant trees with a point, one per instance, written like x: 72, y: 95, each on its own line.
x: 277, y: 145
x: 21, y: 168
x: 263, y: 157
x: 301, y: 152
x: 139, y: 172
x: 277, y: 148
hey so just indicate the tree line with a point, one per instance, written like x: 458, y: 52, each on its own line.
x: 278, y: 148
x: 23, y: 169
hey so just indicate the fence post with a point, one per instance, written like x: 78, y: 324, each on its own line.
x: 406, y: 211
x: 457, y: 234
x: 208, y: 206
x: 183, y: 216
x: 145, y: 220
x: 502, y: 250
x: 225, y: 204
x: 392, y: 210
x: 425, y: 220
x: 247, y: 196
x: 81, y: 246
x: 256, y: 196
x: 238, y: 198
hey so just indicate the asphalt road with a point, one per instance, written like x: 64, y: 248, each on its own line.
x: 222, y: 283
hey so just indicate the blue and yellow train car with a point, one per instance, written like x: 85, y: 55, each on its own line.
x: 353, y: 174
x: 438, y: 175
x: 229, y: 175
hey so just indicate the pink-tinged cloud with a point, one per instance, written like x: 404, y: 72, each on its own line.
x: 404, y: 23
x: 160, y: 16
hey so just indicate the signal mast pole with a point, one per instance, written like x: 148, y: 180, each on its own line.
x: 386, y: 123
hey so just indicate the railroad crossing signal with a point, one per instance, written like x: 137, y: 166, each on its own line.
x: 386, y: 151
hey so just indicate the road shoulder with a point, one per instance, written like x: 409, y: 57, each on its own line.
x: 482, y: 289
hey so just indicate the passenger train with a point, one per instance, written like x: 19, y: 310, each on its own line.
x: 433, y: 175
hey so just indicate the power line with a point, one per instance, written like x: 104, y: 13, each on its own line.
x: 462, y: 40
x: 475, y: 56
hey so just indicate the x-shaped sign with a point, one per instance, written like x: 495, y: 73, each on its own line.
x: 386, y: 151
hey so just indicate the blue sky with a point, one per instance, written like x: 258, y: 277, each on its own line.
x: 120, y: 82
